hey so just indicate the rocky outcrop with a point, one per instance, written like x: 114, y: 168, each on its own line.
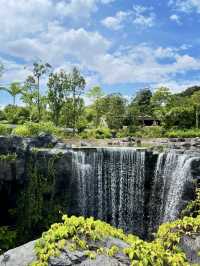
x: 191, y: 247
x: 24, y: 255
x: 20, y: 256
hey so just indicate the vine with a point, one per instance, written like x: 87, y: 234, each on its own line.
x: 36, y: 205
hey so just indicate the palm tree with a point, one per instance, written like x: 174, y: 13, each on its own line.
x: 14, y: 89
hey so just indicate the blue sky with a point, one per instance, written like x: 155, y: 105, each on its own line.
x: 122, y: 45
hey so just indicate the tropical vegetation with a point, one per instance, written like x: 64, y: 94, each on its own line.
x: 62, y: 100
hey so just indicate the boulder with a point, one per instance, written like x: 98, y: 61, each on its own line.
x: 20, y: 256
x: 24, y: 255
x: 191, y: 247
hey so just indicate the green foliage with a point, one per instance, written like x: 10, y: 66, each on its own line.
x: 97, y: 133
x: 15, y: 114
x: 193, y: 208
x: 5, y: 129
x: 37, y: 206
x: 59, y: 88
x: 186, y: 133
x: 34, y: 129
x: 8, y: 157
x: 150, y: 132
x: 79, y: 233
x: 7, y: 238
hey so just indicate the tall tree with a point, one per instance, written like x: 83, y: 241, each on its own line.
x: 142, y: 103
x: 95, y: 94
x: 39, y: 70
x: 76, y: 85
x: 58, y: 89
x: 160, y: 102
x: 29, y: 95
x: 115, y: 106
x: 196, y: 102
x: 14, y: 89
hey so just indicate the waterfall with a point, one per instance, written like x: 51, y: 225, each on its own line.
x: 172, y: 172
x: 111, y: 186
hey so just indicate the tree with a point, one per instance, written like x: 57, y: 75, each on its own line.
x: 39, y: 70
x: 96, y: 94
x: 115, y: 106
x: 76, y: 86
x: 14, y: 89
x: 142, y: 103
x: 196, y: 102
x: 29, y: 95
x: 160, y: 102
x: 58, y: 85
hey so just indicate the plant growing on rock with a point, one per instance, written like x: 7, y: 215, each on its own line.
x: 79, y: 233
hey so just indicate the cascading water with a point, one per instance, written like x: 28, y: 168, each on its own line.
x: 173, y: 171
x: 112, y: 187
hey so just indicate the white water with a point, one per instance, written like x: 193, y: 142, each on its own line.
x: 111, y: 187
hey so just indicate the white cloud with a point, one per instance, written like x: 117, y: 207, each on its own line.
x: 139, y: 15
x: 31, y: 30
x: 177, y: 86
x: 144, y: 17
x: 115, y: 22
x: 175, y: 18
x: 186, y: 6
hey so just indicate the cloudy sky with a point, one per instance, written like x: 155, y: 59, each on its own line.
x: 123, y: 45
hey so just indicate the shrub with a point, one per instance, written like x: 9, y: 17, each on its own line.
x: 187, y: 133
x: 78, y: 233
x: 7, y: 238
x: 150, y: 132
x: 5, y: 129
x: 16, y: 114
x: 97, y: 133
x: 34, y: 129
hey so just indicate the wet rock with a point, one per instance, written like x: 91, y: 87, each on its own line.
x: 44, y: 141
x: 62, y: 146
x: 191, y: 247
x: 84, y: 144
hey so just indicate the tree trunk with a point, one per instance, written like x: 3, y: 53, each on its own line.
x: 197, y: 118
x: 14, y: 100
x: 38, y: 98
x: 74, y: 112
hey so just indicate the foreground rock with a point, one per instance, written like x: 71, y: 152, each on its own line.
x: 20, y: 256
x: 191, y: 247
x: 25, y: 255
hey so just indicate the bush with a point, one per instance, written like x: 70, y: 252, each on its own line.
x: 123, y: 133
x: 97, y: 133
x: 5, y: 129
x: 78, y: 233
x: 187, y: 133
x: 7, y: 238
x: 150, y: 132
x: 16, y: 114
x: 31, y: 129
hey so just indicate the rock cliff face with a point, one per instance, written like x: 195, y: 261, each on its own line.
x: 134, y: 189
